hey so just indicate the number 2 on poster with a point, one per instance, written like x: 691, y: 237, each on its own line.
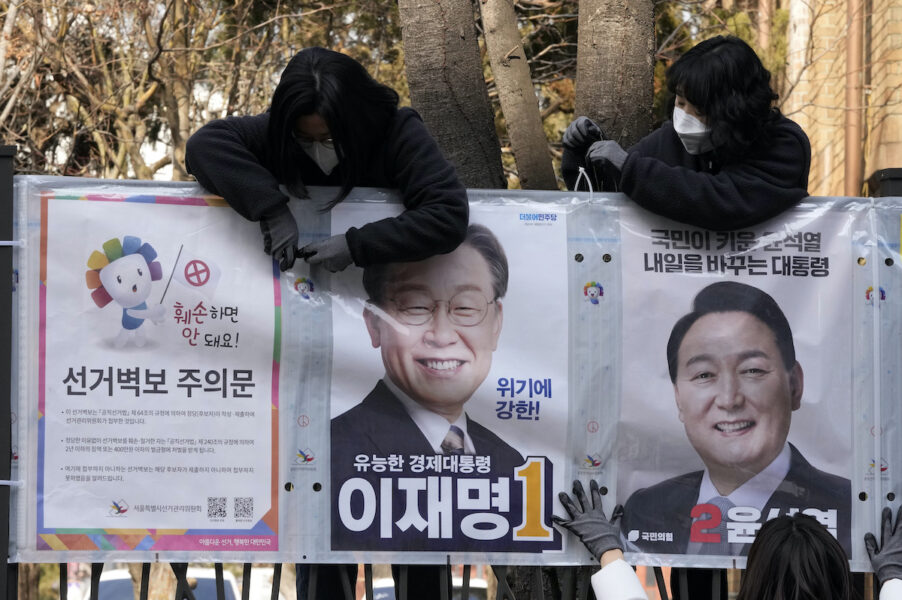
x: 714, y: 517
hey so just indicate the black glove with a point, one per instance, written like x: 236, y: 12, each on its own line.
x: 887, y: 558
x: 580, y: 134
x: 606, y: 151
x: 280, y: 236
x: 332, y: 253
x: 604, y: 161
x: 588, y: 522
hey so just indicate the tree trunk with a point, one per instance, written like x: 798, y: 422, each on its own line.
x: 765, y: 16
x: 162, y: 584
x: 29, y: 578
x: 615, y: 66
x: 447, y: 86
x: 9, y: 23
x: 517, y: 95
x: 180, y: 88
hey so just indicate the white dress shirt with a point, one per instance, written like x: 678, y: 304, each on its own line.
x: 433, y: 425
x: 755, y: 492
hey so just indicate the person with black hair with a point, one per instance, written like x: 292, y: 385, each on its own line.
x: 736, y: 383
x: 728, y: 159
x: 792, y: 558
x: 331, y: 124
x: 796, y: 557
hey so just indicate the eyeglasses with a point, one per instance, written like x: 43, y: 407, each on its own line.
x: 466, y: 309
x: 305, y: 140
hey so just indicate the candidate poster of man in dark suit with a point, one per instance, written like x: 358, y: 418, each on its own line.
x: 737, y: 382
x: 443, y: 448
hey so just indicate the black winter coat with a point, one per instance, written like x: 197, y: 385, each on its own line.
x: 661, y: 176
x: 232, y: 158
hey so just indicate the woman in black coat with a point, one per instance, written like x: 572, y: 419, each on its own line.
x: 331, y: 124
x: 728, y: 159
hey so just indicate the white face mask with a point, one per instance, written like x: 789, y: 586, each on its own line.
x: 694, y: 134
x: 326, y: 158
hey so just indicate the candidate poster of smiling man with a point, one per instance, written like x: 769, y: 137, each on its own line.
x: 736, y: 383
x: 449, y: 392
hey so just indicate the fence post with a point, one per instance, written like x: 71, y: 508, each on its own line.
x: 7, y: 154
x: 885, y: 182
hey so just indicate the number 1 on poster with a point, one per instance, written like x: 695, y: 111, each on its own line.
x: 532, y: 475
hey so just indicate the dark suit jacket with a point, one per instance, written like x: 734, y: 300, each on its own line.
x: 666, y: 506
x: 381, y: 426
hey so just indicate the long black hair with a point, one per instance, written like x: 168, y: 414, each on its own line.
x: 795, y: 558
x: 726, y: 81
x: 357, y: 109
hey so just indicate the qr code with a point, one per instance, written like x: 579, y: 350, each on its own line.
x: 244, y: 508
x: 216, y: 507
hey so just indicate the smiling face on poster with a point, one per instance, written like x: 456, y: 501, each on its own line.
x: 743, y: 410
x: 449, y: 398
x: 734, y: 393
x: 437, y: 324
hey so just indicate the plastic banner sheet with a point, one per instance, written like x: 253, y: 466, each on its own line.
x: 723, y: 423
x: 178, y: 398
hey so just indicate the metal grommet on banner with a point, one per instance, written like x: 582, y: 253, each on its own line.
x: 12, y: 482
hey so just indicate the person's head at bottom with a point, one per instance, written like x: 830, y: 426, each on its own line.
x: 795, y: 558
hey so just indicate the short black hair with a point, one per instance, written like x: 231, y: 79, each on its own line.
x: 730, y: 296
x: 356, y: 107
x: 795, y: 558
x: 724, y: 79
x: 377, y: 277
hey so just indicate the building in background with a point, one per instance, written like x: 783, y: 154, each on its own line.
x: 844, y: 88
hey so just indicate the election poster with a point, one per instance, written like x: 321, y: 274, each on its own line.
x: 737, y: 391
x: 179, y: 397
x: 157, y: 383
x: 449, y: 402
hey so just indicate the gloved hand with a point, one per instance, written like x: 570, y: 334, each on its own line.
x: 332, y: 253
x: 280, y: 236
x: 606, y: 151
x: 887, y: 558
x: 588, y: 522
x: 581, y: 133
